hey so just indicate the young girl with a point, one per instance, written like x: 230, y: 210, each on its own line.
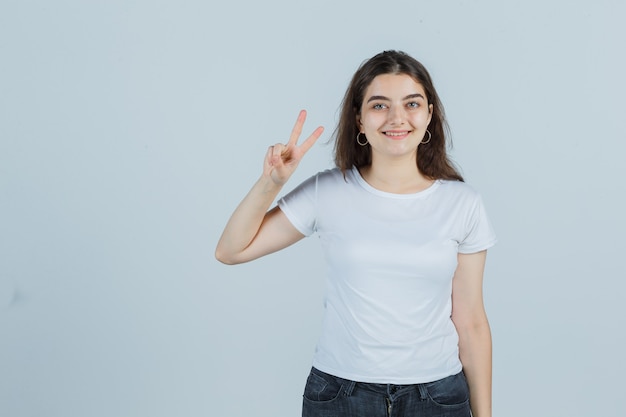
x: 405, y: 331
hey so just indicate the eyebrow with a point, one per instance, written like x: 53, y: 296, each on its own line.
x: 416, y: 95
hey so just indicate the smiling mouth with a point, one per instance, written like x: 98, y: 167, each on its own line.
x: 397, y: 135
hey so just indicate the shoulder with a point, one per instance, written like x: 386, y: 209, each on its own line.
x: 333, y: 177
x: 460, y: 195
x: 323, y: 179
x: 331, y: 174
x: 458, y: 188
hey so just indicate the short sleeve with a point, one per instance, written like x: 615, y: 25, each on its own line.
x: 299, y: 205
x: 479, y: 231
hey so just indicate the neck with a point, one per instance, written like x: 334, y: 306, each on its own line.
x: 398, y: 176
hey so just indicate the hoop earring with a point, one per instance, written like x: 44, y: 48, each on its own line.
x: 358, y: 137
x: 427, y: 140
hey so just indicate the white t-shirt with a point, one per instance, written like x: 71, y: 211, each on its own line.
x: 390, y: 262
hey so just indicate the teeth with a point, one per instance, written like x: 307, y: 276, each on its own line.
x: 395, y: 133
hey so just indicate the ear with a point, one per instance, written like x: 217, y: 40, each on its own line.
x: 358, y: 123
x: 430, y: 112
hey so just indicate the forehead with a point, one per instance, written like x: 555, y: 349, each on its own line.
x: 389, y: 85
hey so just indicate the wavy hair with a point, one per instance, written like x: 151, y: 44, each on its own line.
x: 432, y: 159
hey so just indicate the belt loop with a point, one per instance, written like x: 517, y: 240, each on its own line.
x: 349, y: 387
x: 423, y: 391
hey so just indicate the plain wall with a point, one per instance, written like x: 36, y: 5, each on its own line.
x: 130, y: 130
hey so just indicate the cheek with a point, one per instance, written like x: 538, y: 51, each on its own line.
x: 368, y: 127
x: 372, y: 120
x: 422, y: 118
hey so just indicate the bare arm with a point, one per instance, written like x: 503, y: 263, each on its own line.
x: 470, y: 319
x: 252, y: 230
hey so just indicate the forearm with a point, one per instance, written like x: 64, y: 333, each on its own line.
x: 246, y: 220
x: 475, y: 354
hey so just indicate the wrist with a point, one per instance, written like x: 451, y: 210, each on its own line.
x: 267, y: 185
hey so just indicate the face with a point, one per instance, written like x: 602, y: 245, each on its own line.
x: 394, y: 115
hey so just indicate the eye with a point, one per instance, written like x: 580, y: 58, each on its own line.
x: 413, y: 105
x: 379, y: 106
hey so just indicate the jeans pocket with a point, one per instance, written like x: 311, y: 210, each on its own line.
x: 321, y: 386
x: 451, y: 391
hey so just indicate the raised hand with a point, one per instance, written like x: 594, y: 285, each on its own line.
x: 282, y: 160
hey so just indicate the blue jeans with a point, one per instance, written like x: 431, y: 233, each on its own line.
x: 326, y: 395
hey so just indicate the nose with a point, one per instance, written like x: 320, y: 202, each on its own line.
x: 396, y: 115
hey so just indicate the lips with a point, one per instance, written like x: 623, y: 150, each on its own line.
x: 397, y: 134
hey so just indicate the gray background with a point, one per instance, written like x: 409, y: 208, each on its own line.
x: 129, y: 131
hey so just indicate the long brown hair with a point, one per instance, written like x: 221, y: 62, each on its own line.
x: 432, y: 158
